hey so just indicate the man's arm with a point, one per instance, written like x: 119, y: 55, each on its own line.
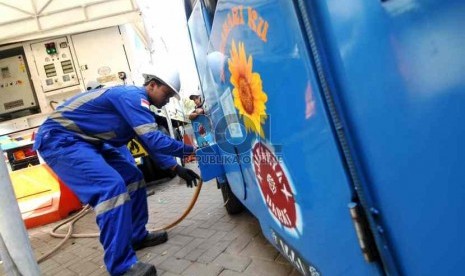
x: 165, y: 162
x: 193, y: 115
x: 142, y: 121
x: 196, y: 113
x: 133, y: 107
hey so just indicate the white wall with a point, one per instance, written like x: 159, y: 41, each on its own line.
x: 166, y: 24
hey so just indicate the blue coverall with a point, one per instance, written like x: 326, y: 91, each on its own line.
x: 83, y: 142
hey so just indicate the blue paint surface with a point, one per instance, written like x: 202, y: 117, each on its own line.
x: 395, y: 72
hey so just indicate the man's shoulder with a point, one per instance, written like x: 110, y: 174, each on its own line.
x: 127, y: 89
x: 127, y: 92
x: 129, y: 95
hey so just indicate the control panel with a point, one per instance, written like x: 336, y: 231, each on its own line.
x: 55, y: 64
x: 16, y: 92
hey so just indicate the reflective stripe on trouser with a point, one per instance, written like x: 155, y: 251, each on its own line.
x: 134, y: 180
x: 98, y: 176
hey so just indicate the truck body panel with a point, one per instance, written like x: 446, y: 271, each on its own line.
x: 321, y: 105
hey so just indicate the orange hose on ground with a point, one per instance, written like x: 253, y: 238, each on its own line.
x: 70, y: 222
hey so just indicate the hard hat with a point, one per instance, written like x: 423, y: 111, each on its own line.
x: 169, y: 77
x: 216, y: 61
x: 91, y: 85
x: 195, y: 94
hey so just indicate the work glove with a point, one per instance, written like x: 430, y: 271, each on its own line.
x: 187, y: 174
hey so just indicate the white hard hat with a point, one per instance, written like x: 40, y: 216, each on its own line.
x: 216, y: 61
x: 195, y: 94
x: 93, y: 85
x: 170, y: 77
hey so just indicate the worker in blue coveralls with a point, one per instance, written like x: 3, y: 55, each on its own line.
x: 81, y: 142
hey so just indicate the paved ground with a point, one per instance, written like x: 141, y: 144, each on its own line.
x: 207, y: 242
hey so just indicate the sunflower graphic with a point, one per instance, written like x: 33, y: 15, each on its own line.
x: 249, y: 97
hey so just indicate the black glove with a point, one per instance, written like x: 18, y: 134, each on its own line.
x: 189, y: 175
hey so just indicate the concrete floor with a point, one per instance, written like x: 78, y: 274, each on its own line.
x: 207, y: 242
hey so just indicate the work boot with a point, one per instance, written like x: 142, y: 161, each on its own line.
x: 141, y: 269
x: 152, y: 239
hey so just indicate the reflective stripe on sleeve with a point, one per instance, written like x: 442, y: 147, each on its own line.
x: 146, y: 128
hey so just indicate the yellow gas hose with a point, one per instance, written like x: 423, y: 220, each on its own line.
x: 70, y: 222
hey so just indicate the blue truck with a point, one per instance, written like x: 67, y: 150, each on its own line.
x: 340, y: 126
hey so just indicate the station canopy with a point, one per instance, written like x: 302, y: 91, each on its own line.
x: 22, y: 20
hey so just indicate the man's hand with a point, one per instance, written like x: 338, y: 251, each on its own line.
x: 193, y: 115
x: 187, y: 174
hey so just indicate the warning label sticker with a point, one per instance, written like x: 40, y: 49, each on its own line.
x: 275, y: 185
